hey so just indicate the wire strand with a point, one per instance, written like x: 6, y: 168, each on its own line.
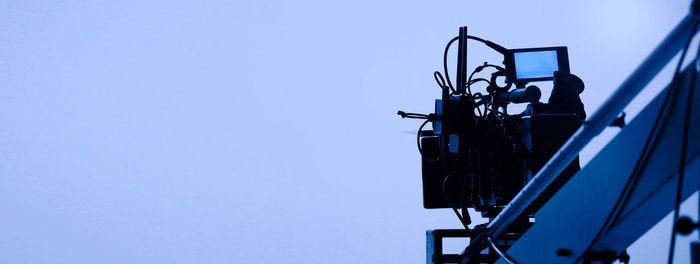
x: 420, y: 129
x: 649, y: 145
x: 500, y: 253
x: 444, y: 63
x: 490, y: 44
x: 447, y: 198
x: 684, y: 149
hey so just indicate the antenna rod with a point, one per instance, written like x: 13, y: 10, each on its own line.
x: 462, y: 61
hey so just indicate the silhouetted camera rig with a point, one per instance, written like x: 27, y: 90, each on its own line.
x: 477, y: 154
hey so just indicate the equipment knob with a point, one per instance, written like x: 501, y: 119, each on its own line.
x: 525, y: 95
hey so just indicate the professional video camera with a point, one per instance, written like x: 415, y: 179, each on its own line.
x: 479, y: 156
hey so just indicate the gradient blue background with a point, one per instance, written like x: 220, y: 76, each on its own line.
x: 260, y: 131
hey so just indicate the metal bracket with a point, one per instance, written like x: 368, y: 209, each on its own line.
x: 434, y: 246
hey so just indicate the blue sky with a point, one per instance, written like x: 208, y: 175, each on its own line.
x: 256, y: 132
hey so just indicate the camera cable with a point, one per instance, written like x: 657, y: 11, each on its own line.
x: 500, y: 253
x: 447, y: 198
x: 648, y: 148
x: 420, y: 130
x: 494, y: 46
x: 684, y: 149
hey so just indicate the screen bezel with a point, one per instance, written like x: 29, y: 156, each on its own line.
x: 562, y: 61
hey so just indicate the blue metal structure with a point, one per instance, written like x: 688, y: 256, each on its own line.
x: 573, y: 217
x: 567, y: 225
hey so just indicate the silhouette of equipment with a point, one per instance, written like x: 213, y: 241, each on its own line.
x: 509, y: 166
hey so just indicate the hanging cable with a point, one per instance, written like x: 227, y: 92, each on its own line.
x: 420, y: 130
x: 444, y: 63
x: 649, y: 145
x: 490, y: 44
x: 684, y: 149
x: 447, y: 198
x: 476, y: 81
x: 477, y: 70
x: 500, y: 253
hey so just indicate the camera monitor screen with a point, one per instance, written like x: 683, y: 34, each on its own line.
x: 537, y: 64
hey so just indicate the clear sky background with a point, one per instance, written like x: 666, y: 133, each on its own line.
x: 259, y: 131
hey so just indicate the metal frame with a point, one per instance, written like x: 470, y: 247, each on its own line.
x: 434, y: 238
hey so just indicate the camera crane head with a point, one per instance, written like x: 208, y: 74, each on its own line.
x: 477, y: 155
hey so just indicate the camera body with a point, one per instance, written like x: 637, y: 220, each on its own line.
x: 478, y: 155
x: 498, y: 156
